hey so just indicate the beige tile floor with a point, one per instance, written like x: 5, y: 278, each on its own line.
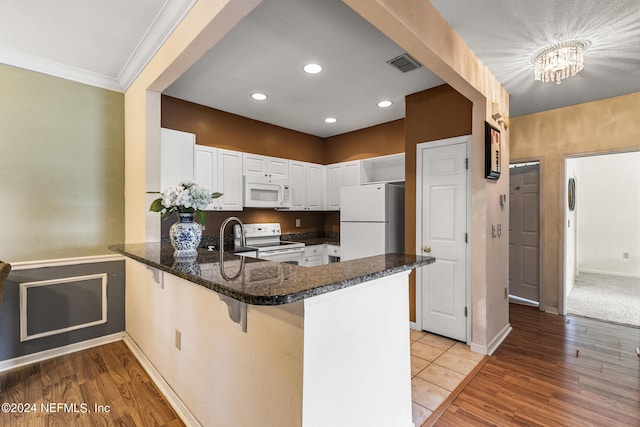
x: 438, y: 365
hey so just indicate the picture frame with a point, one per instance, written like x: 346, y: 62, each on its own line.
x: 492, y: 150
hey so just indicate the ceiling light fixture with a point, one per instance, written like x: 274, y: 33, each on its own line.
x: 312, y: 68
x: 559, y: 61
x: 258, y: 96
x: 384, y: 104
x: 330, y: 120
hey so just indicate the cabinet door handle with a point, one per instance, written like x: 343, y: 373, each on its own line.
x: 426, y: 249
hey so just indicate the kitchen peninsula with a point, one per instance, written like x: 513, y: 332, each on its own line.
x: 254, y: 342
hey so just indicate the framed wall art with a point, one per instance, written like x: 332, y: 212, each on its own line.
x: 492, y: 149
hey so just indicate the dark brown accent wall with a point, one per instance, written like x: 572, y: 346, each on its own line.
x: 433, y: 114
x: 225, y: 130
x: 379, y: 140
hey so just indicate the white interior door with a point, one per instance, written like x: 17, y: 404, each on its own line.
x: 442, y: 216
x: 524, y: 281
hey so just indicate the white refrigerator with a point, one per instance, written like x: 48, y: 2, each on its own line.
x: 371, y: 220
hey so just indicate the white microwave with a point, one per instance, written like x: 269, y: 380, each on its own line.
x: 266, y: 193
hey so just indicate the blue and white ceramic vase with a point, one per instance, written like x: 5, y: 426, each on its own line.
x: 185, y: 236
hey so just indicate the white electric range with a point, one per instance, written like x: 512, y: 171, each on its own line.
x: 264, y: 242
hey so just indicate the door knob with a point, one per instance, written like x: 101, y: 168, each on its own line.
x: 426, y: 249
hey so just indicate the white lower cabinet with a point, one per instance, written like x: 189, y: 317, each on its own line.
x: 321, y: 254
x: 314, y: 255
x: 220, y: 170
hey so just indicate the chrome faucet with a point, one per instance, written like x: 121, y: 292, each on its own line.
x: 224, y: 225
x: 242, y: 243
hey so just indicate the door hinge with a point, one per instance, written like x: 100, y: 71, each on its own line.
x: 466, y: 163
x: 465, y: 312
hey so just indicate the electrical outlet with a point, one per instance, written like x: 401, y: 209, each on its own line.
x: 178, y: 339
x: 297, y: 222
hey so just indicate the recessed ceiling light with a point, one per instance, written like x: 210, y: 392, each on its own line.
x: 384, y: 104
x: 312, y: 68
x: 258, y: 96
x: 330, y: 120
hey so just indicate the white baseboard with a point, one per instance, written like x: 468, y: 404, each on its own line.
x: 551, y: 310
x: 60, y: 351
x: 494, y: 344
x: 413, y: 325
x: 607, y: 273
x: 169, y: 394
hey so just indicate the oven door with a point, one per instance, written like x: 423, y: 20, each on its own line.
x: 293, y: 256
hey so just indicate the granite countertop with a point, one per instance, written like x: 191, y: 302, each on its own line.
x: 310, y: 241
x: 261, y: 282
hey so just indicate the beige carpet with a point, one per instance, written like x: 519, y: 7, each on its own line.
x: 610, y: 298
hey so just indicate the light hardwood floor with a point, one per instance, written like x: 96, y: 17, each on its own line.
x: 550, y: 371
x: 554, y: 371
x: 107, y: 375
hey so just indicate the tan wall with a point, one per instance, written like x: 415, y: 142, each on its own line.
x: 433, y: 114
x: 62, y: 173
x: 609, y: 125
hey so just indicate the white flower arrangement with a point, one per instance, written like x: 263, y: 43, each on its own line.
x: 186, y: 197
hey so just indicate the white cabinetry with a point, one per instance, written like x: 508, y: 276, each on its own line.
x: 382, y: 169
x: 314, y: 255
x: 220, y: 170
x: 297, y: 185
x: 269, y: 167
x: 176, y: 157
x: 320, y: 254
x: 332, y: 253
x: 340, y: 175
x: 315, y: 185
x: 307, y: 185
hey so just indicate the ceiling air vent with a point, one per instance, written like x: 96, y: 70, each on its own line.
x: 404, y: 63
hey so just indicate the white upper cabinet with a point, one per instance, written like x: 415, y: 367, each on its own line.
x: 297, y: 185
x: 176, y: 157
x: 307, y: 183
x: 315, y: 186
x: 220, y: 170
x: 340, y: 175
x: 265, y: 166
x: 382, y: 169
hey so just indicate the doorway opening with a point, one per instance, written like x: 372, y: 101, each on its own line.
x: 524, y: 233
x: 602, y: 237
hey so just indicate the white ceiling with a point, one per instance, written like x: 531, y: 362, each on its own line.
x: 106, y: 43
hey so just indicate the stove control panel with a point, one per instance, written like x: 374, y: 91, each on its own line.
x: 259, y: 230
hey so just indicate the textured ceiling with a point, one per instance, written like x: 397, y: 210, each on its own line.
x: 106, y: 43
x: 505, y: 34
x: 267, y: 50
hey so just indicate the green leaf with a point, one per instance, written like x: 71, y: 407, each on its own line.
x: 201, y: 217
x: 156, y: 205
x: 216, y: 195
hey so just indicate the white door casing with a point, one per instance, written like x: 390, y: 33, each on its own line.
x: 441, y: 231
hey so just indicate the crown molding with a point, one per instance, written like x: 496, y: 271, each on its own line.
x: 165, y: 22
x: 167, y: 19
x: 32, y: 63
